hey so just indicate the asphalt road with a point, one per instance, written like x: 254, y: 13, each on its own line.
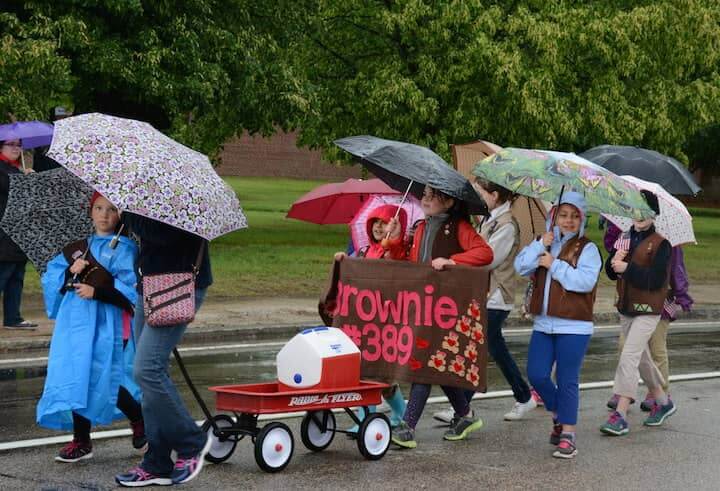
x: 683, y: 454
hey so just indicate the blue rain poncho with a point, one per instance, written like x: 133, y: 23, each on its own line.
x: 87, y: 362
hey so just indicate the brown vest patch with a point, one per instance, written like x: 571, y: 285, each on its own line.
x: 446, y: 241
x: 636, y: 301
x: 562, y: 303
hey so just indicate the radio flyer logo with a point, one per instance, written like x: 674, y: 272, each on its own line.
x: 324, y: 399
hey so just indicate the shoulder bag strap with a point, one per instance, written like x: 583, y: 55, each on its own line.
x: 196, y: 267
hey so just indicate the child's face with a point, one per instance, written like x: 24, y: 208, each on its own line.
x: 433, y: 204
x: 490, y: 199
x: 641, y: 225
x: 378, y: 230
x: 105, y: 216
x: 568, y: 219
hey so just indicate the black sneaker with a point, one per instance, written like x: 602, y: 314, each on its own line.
x: 139, y: 440
x: 461, y: 427
x: 75, y: 451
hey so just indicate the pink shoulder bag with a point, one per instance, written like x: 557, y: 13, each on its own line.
x: 169, y: 298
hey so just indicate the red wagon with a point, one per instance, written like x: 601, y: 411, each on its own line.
x: 274, y: 442
x: 318, y: 371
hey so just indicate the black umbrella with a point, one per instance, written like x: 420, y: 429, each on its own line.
x: 45, y: 211
x: 647, y: 165
x: 398, y: 164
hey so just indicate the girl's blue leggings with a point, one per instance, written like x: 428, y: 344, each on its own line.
x: 566, y: 352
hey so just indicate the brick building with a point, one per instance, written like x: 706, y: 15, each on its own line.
x: 278, y: 156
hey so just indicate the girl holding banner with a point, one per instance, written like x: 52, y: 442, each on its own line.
x: 377, y: 248
x: 444, y: 238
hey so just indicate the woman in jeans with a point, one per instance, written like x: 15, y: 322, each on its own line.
x: 168, y: 424
x: 12, y: 259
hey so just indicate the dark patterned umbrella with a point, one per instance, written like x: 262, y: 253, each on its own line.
x: 45, y: 211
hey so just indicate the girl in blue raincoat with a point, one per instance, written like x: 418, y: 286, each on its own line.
x: 564, y: 284
x: 89, y: 290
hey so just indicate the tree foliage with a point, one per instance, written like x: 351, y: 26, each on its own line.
x: 548, y: 74
x: 202, y: 70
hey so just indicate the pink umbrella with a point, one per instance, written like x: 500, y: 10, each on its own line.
x: 358, y: 228
x: 337, y: 202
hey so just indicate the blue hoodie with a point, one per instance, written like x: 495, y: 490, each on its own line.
x: 581, y: 279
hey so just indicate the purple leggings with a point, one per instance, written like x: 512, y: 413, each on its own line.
x: 419, y: 394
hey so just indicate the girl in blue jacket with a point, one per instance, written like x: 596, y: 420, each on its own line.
x: 89, y: 374
x: 565, y: 279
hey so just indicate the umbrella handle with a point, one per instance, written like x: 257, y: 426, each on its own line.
x: 402, y: 202
x: 22, y: 159
x: 116, y: 239
x: 74, y: 279
x: 554, y: 217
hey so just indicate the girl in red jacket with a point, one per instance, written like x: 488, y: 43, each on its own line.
x: 378, y: 248
x: 444, y: 238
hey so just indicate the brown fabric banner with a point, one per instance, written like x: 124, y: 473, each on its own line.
x: 412, y: 323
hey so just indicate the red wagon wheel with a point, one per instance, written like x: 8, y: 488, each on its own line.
x: 317, y: 430
x: 274, y: 447
x: 374, y: 436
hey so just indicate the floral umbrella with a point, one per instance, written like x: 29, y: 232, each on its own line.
x: 142, y: 171
x: 546, y: 174
x: 358, y: 228
x: 674, y: 221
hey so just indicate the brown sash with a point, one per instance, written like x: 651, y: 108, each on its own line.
x: 95, y: 273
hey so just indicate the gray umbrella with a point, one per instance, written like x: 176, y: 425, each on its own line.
x: 644, y: 164
x: 398, y: 163
x: 45, y: 211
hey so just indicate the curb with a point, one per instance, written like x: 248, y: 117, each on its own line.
x: 200, y: 335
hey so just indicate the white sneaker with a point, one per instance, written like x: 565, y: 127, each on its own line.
x: 520, y: 409
x: 444, y: 416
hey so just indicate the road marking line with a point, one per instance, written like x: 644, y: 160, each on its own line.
x: 101, y: 435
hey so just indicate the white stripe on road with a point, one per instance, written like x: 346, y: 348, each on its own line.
x: 224, y: 347
x: 100, y: 435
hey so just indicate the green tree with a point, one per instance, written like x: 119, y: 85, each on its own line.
x: 201, y: 70
x: 32, y: 76
x: 553, y: 74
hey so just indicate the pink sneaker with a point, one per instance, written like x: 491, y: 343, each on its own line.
x: 536, y: 396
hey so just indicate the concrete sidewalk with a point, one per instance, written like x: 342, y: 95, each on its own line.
x: 247, y: 319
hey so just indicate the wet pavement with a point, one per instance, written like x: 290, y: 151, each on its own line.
x: 682, y: 454
x: 21, y: 388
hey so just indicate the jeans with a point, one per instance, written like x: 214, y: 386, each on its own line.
x: 566, y: 352
x: 503, y: 359
x: 12, y: 277
x: 168, y: 424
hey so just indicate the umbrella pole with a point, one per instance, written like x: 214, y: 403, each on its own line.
x: 402, y: 202
x: 22, y: 159
x: 532, y: 222
x: 562, y: 190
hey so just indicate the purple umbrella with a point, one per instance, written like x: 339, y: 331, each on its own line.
x: 32, y: 133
